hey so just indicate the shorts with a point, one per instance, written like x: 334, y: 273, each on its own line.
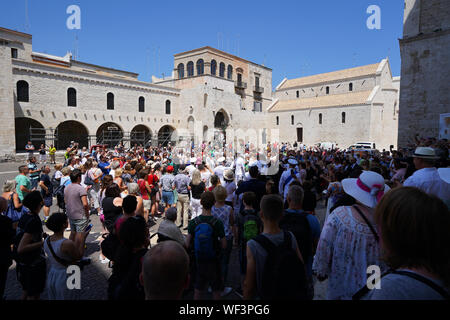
x: 167, y: 197
x: 48, y: 201
x: 147, y: 204
x: 32, y: 277
x: 208, y: 274
x: 78, y: 225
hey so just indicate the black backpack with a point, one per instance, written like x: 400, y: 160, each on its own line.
x: 109, y: 245
x: 59, y: 193
x: 284, y: 274
x: 298, y: 224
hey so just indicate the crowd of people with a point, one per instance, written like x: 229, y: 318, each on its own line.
x: 388, y: 209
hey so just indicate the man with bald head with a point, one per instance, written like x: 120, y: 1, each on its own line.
x: 165, y: 271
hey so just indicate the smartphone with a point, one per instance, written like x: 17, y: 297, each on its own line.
x: 88, y: 228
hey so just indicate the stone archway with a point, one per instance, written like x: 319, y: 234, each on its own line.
x: 140, y: 135
x: 167, y: 134
x: 71, y: 130
x: 221, y: 123
x: 22, y: 127
x: 109, y: 133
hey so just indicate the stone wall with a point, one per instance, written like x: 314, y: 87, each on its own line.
x: 425, y: 53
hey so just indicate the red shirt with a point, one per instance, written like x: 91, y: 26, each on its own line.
x: 152, y: 180
x: 143, y: 189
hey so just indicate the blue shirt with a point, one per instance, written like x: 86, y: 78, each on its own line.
x: 314, y: 224
x: 102, y: 166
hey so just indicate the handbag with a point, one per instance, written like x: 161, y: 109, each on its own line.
x: 12, y: 212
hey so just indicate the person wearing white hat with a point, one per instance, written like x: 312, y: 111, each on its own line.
x: 288, y: 176
x: 239, y: 167
x: 349, y: 241
x: 218, y: 171
x: 426, y: 178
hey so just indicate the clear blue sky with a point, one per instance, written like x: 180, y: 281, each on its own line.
x: 293, y: 37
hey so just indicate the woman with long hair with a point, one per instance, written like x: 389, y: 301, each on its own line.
x: 197, y: 187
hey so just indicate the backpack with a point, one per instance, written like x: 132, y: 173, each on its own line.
x: 250, y: 227
x: 284, y: 274
x: 59, y: 193
x: 88, y: 180
x: 298, y: 224
x: 109, y: 246
x: 204, y: 242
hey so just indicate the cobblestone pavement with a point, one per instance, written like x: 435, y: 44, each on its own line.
x: 94, y: 276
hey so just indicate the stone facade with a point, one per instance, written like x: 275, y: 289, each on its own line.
x: 341, y: 107
x: 198, y: 105
x: 425, y: 53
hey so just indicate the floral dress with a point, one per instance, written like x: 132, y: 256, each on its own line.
x: 346, y: 248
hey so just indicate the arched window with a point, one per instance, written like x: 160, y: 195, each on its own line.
x: 180, y: 71
x: 200, y: 66
x: 22, y: 91
x: 343, y: 117
x: 298, y: 94
x: 350, y: 86
x: 110, y: 101
x: 141, y: 104
x: 230, y: 72
x: 320, y: 118
x: 278, y: 120
x: 167, y: 106
x: 292, y: 119
x: 327, y: 89
x: 190, y: 69
x: 222, y: 70
x: 71, y: 97
x: 213, y: 67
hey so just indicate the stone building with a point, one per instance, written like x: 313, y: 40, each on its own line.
x: 342, y: 107
x: 425, y: 53
x: 210, y: 94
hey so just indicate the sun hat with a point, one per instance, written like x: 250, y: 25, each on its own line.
x: 368, y: 188
x: 221, y: 159
x: 293, y: 162
x: 228, y: 174
x: 444, y: 174
x: 425, y: 153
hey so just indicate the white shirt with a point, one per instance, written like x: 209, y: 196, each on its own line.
x: 283, y: 187
x: 428, y: 180
x: 240, y: 167
x: 218, y: 171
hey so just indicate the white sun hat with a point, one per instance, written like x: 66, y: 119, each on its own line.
x: 444, y: 174
x: 425, y: 153
x: 367, y: 189
x: 221, y: 159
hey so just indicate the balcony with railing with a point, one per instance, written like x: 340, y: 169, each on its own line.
x: 258, y: 89
x: 240, y: 84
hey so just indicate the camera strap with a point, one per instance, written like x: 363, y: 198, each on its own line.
x: 61, y: 261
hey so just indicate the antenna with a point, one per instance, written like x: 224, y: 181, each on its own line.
x: 76, y: 46
x: 27, y: 23
x: 159, y: 62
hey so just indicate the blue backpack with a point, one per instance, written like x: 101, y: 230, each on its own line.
x: 204, y: 242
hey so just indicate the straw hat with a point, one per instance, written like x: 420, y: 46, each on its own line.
x: 368, y: 188
x: 228, y: 174
x: 425, y: 153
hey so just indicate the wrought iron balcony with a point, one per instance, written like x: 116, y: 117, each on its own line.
x: 258, y: 89
x: 240, y: 84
